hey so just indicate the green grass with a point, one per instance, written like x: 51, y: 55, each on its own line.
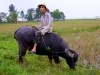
x: 75, y: 30
x: 86, y: 34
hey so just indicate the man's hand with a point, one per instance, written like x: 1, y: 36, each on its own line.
x: 41, y: 33
x: 33, y: 26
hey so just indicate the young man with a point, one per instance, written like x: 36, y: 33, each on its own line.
x: 44, y: 27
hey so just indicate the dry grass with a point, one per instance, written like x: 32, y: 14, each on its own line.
x: 90, y: 46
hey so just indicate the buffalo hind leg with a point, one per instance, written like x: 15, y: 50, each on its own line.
x: 50, y: 60
x: 56, y: 59
x: 22, y: 52
x: 21, y: 56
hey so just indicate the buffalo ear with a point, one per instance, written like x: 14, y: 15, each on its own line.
x: 69, y: 53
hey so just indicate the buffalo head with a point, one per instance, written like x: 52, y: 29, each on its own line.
x: 72, y: 57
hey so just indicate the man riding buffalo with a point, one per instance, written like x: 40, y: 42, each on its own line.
x: 28, y: 37
x: 44, y: 27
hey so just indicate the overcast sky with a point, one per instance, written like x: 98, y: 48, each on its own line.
x: 71, y: 8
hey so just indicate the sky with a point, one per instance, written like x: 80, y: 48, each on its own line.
x: 73, y: 9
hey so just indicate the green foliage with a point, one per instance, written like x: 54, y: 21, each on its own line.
x: 75, y: 30
x: 0, y: 20
x: 57, y: 15
x: 22, y: 14
x: 12, y: 18
x: 38, y: 14
x: 11, y: 8
x: 30, y: 15
x: 2, y: 16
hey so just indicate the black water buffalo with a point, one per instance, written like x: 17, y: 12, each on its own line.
x: 25, y: 37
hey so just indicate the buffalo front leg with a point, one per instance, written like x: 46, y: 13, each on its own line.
x: 56, y: 59
x: 50, y: 60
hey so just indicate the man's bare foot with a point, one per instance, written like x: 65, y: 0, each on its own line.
x: 33, y: 26
x: 32, y: 51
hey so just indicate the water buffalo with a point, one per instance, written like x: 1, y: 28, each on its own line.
x: 25, y: 37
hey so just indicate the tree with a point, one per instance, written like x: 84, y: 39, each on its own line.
x: 48, y: 10
x: 13, y: 14
x: 38, y: 14
x: 3, y: 16
x: 0, y: 18
x: 22, y: 14
x: 13, y: 17
x: 30, y: 14
x: 62, y: 16
x: 57, y: 15
x: 11, y: 8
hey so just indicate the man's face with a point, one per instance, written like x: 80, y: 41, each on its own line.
x: 42, y: 9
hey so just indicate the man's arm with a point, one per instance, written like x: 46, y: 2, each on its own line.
x: 38, y: 27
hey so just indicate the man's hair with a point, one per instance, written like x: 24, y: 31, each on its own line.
x: 43, y: 6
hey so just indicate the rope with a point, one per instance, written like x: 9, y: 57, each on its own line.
x: 48, y: 48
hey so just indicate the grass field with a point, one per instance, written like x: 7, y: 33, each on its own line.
x: 85, y: 33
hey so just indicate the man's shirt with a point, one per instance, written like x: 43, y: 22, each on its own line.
x: 46, y: 23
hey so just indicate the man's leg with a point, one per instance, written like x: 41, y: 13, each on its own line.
x: 34, y: 48
x: 37, y: 40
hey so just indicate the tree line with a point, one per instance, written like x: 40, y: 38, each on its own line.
x: 31, y: 15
